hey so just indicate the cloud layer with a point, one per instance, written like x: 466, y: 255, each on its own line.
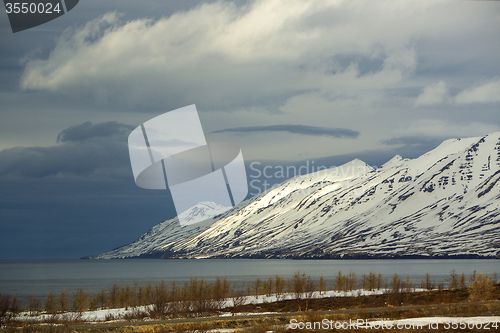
x: 88, y: 131
x: 412, y: 141
x: 296, y: 129
x: 333, y: 64
x: 85, y: 150
x: 219, y: 52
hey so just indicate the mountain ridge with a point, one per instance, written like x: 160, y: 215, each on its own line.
x: 444, y: 203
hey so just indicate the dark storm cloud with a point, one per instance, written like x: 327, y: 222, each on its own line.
x: 75, y: 198
x: 296, y: 129
x: 84, y: 150
x: 88, y: 130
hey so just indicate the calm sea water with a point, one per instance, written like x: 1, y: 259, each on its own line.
x: 27, y: 277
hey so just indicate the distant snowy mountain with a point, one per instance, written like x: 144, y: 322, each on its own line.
x: 167, y: 231
x: 444, y: 203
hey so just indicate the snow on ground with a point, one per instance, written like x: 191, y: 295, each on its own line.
x: 120, y: 313
x: 91, y: 316
x: 108, y: 315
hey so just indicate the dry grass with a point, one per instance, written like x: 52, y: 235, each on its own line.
x: 395, y: 305
x: 277, y: 324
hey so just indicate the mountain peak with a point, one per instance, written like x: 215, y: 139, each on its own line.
x: 200, y: 212
x: 396, y: 161
x: 358, y: 162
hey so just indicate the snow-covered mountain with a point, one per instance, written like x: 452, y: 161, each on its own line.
x: 444, y: 203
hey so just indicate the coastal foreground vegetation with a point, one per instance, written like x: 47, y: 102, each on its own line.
x: 261, y: 305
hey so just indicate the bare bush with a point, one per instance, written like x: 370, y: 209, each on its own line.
x: 113, y: 295
x: 302, y: 287
x: 201, y: 292
x: 9, y: 308
x: 321, y: 285
x: 136, y: 314
x: 220, y: 291
x: 147, y: 292
x: 269, y: 286
x: 50, y: 303
x: 395, y: 284
x: 34, y: 305
x: 239, y: 299
x: 63, y: 300
x: 160, y: 301
x: 81, y: 300
x: 351, y: 281
x: 279, y: 287
x: 453, y: 281
x: 175, y: 298
x: 256, y: 287
x: 427, y: 282
x: 494, y: 278
x: 481, y: 288
x: 371, y: 281
x: 310, y: 289
x: 462, y: 281
x: 101, y: 298
x: 345, y: 282
x: 126, y: 297
x: 407, y: 284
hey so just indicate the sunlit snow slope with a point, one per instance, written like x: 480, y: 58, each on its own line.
x: 444, y: 203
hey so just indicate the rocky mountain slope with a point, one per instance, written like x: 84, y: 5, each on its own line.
x: 444, y: 203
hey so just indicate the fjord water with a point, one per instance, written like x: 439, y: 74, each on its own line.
x: 38, y: 277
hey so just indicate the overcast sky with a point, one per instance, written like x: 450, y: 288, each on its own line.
x: 289, y: 81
